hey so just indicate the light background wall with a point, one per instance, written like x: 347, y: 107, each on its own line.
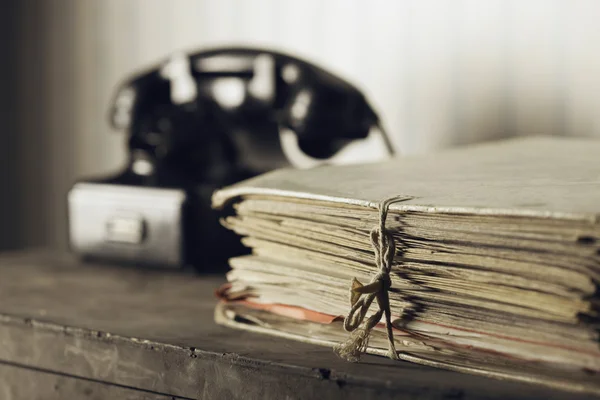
x: 441, y: 73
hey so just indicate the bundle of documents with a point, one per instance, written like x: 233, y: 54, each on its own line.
x: 495, y: 261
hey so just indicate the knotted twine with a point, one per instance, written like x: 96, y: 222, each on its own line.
x: 362, y: 296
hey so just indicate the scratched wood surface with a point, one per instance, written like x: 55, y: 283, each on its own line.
x: 51, y: 386
x: 92, y: 331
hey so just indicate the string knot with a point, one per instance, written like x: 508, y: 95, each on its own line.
x: 362, y: 296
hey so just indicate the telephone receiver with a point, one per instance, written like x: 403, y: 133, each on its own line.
x: 296, y: 113
x: 197, y: 122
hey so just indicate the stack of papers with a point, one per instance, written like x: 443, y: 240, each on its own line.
x: 496, y: 261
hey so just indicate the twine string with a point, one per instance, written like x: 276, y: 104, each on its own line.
x: 362, y: 296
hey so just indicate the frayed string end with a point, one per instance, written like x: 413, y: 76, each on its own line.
x: 354, y: 346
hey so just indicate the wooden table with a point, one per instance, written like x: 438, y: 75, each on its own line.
x: 75, y: 331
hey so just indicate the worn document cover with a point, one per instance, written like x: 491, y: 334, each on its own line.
x: 493, y: 268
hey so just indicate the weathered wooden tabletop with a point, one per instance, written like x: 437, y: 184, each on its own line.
x: 70, y: 331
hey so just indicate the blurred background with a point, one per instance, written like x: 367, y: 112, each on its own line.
x: 440, y: 73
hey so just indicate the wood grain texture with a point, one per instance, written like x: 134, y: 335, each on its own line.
x: 19, y: 383
x: 154, y: 331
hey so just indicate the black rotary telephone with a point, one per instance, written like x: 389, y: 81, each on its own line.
x: 200, y: 121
